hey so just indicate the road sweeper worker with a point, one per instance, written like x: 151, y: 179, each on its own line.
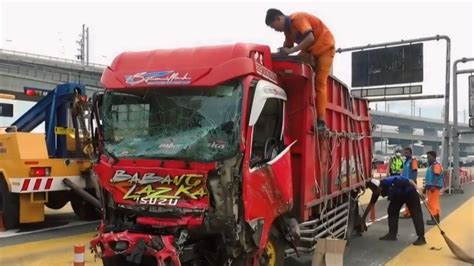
x: 433, y: 185
x: 312, y: 37
x: 399, y: 191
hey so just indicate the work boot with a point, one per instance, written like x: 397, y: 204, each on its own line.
x: 389, y: 237
x: 420, y: 241
x: 321, y: 125
x: 433, y: 221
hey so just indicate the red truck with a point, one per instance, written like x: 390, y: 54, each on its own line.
x: 210, y: 156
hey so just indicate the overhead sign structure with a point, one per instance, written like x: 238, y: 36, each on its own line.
x: 471, y: 96
x: 386, y: 66
x: 388, y: 91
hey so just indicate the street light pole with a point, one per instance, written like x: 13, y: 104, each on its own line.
x: 456, y: 184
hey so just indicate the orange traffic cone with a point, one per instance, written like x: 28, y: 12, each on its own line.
x: 79, y: 255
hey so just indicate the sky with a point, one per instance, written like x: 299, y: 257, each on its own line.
x: 52, y: 28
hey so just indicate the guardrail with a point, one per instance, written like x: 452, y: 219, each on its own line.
x: 465, y: 176
x: 52, y: 58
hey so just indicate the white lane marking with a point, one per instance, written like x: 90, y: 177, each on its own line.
x: 386, y: 216
x: 377, y: 220
x: 14, y: 232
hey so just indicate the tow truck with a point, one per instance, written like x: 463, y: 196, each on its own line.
x: 39, y: 169
x: 210, y: 156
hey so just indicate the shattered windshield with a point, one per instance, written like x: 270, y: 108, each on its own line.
x: 199, y: 124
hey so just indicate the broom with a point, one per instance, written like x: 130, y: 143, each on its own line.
x: 455, y: 249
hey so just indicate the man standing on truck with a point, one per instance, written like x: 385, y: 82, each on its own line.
x: 399, y: 191
x: 395, y: 164
x: 433, y: 184
x: 409, y: 171
x: 312, y: 38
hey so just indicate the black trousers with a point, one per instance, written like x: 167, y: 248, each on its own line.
x: 412, y: 201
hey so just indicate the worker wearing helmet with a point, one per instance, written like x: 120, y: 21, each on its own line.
x: 395, y: 164
x: 409, y: 171
x: 399, y: 191
x: 312, y: 37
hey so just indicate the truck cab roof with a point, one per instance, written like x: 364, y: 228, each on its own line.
x: 193, y: 67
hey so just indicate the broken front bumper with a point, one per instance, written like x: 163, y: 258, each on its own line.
x: 135, y: 246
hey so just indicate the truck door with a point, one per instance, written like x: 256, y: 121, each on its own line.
x: 268, y: 190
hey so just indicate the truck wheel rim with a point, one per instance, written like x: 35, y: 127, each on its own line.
x: 271, y: 253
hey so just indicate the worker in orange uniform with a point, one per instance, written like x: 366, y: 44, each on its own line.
x: 433, y: 185
x: 312, y: 37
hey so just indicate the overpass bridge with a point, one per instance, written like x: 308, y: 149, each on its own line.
x: 409, y: 130
x: 19, y: 70
x: 394, y: 119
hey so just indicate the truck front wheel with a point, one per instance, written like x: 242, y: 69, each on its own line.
x: 274, y: 254
x: 9, y: 206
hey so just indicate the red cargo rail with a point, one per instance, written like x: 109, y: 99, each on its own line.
x: 332, y: 163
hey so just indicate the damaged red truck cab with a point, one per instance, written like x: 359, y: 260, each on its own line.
x: 210, y: 156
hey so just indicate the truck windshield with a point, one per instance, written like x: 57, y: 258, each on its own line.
x: 198, y: 124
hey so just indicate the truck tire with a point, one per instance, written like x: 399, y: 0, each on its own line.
x: 274, y: 254
x: 84, y: 210
x: 9, y: 206
x: 58, y: 199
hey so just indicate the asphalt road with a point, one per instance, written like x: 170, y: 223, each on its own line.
x: 56, y: 232
x: 58, y: 223
x: 361, y: 250
x: 367, y: 249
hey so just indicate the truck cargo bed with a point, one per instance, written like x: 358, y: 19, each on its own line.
x: 325, y: 164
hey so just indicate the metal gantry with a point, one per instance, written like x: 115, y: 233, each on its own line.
x: 445, y: 145
x: 456, y: 184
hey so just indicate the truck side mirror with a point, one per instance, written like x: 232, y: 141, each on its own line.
x: 471, y: 100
